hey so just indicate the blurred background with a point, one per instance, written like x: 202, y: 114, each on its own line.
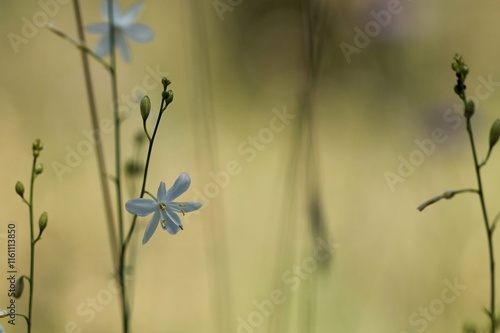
x: 307, y: 129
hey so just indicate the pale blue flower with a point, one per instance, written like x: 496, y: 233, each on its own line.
x: 164, y: 209
x: 2, y: 330
x: 125, y: 27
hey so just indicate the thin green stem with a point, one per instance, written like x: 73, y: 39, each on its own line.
x: 32, y: 245
x: 79, y: 44
x: 126, y: 242
x: 145, y: 177
x: 118, y: 172
x: 489, y: 230
x: 26, y: 318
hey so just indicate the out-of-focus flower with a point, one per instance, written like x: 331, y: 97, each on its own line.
x: 125, y: 26
x: 164, y: 209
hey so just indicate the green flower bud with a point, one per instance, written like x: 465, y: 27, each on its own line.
x: 464, y: 70
x: 38, y: 168
x: 37, y: 145
x: 20, y: 189
x: 494, y: 133
x: 470, y: 107
x: 168, y: 96
x: 145, y: 107
x: 19, y: 287
x: 42, y: 222
x: 165, y: 82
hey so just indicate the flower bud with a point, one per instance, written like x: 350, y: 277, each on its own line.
x: 145, y: 107
x: 168, y: 96
x: 38, y: 168
x: 470, y: 107
x: 4, y: 313
x: 165, y: 82
x: 42, y: 222
x: 37, y: 145
x: 494, y: 133
x: 19, y: 287
x: 20, y: 189
x: 464, y: 69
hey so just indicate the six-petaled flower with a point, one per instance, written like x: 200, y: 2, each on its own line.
x: 125, y: 26
x: 165, y: 211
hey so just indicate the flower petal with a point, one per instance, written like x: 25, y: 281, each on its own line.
x: 172, y: 223
x: 141, y: 206
x: 172, y: 228
x: 161, y: 195
x: 186, y: 207
x: 151, y: 227
x: 102, y: 48
x: 180, y: 186
x: 139, y: 33
x: 131, y: 15
x: 98, y: 28
x: 117, y: 12
x: 122, y: 44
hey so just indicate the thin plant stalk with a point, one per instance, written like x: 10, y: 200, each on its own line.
x: 32, y: 246
x: 126, y: 241
x: 118, y: 172
x: 101, y: 164
x: 489, y: 229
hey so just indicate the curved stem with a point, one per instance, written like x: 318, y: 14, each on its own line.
x: 25, y: 318
x: 489, y: 230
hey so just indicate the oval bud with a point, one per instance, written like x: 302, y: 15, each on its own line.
x: 42, y: 222
x: 20, y: 189
x: 464, y: 69
x: 494, y: 133
x: 145, y: 107
x: 4, y: 313
x: 19, y: 287
x: 38, y: 168
x: 168, y: 96
x: 470, y: 108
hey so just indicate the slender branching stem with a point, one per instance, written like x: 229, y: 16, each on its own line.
x: 25, y: 318
x: 32, y: 246
x: 118, y: 166
x: 489, y: 229
x: 101, y: 164
x: 125, y: 243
